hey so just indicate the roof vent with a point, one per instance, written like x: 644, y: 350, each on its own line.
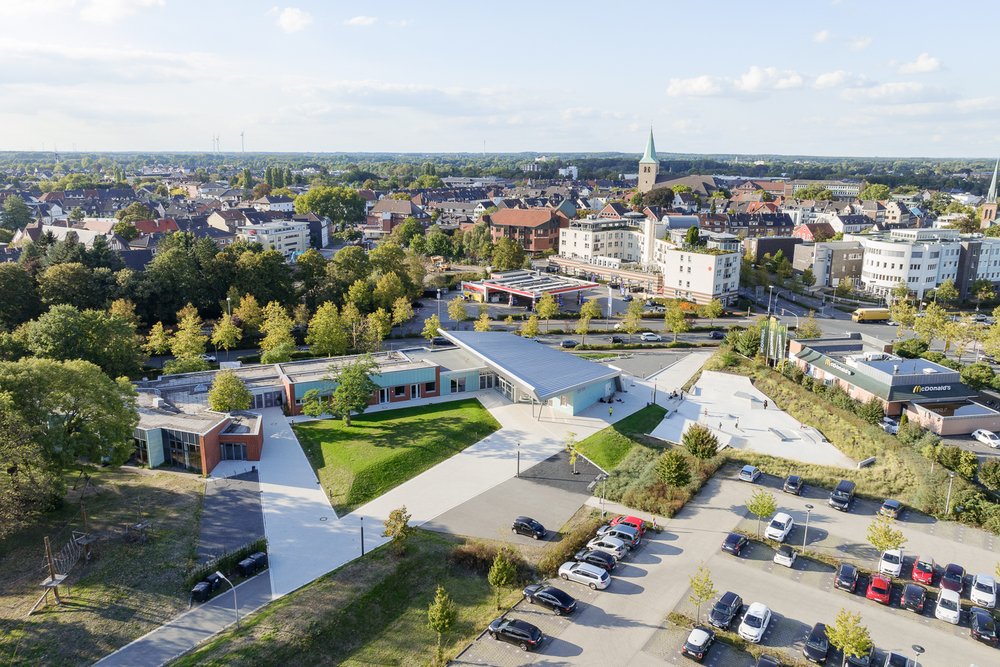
x: 895, y: 369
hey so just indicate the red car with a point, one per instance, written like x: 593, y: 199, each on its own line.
x: 879, y: 589
x: 633, y: 521
x: 923, y: 571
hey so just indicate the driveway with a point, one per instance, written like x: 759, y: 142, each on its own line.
x: 231, y: 515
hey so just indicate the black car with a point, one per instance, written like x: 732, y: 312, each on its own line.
x: 527, y: 526
x: 617, y: 340
x: 698, y: 643
x: 725, y: 610
x: 568, y: 343
x: 516, y: 631
x: 982, y: 626
x: 734, y: 543
x: 846, y: 578
x: 600, y: 559
x: 440, y: 341
x: 817, y: 646
x: 793, y: 484
x: 717, y: 335
x: 550, y: 597
x: 767, y: 661
x: 953, y: 578
x: 866, y: 660
x: 914, y: 597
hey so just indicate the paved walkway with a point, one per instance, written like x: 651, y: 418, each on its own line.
x: 231, y: 515
x: 735, y: 411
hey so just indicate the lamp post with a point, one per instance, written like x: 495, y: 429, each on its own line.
x: 518, y: 472
x: 229, y: 306
x: 362, y: 535
x: 770, y: 293
x: 805, y: 533
x: 236, y: 606
x: 947, y: 504
x: 439, y: 304
x: 918, y: 650
x: 603, y: 479
x: 783, y: 311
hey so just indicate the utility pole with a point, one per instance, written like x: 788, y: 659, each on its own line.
x: 242, y: 145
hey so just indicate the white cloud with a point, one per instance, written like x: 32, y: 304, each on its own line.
x: 821, y: 37
x: 699, y: 86
x: 361, y: 21
x: 837, y: 79
x: 758, y: 79
x: 401, y: 23
x: 924, y: 63
x: 861, y: 43
x: 887, y: 92
x: 109, y: 11
x: 292, y: 19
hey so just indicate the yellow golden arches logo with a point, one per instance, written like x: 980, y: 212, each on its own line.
x: 916, y: 390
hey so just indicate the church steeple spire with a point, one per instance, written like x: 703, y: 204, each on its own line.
x: 649, y: 157
x: 991, y: 194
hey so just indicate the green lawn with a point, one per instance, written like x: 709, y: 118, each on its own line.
x: 380, y: 451
x: 372, y: 611
x: 608, y: 447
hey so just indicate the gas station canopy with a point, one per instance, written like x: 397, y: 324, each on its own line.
x: 527, y: 284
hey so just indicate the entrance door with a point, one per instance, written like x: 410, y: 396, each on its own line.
x: 383, y: 395
x: 414, y: 391
x: 505, y: 387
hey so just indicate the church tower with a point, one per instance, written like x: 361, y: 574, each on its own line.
x: 988, y: 211
x: 648, y: 166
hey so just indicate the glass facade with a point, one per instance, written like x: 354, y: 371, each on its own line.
x: 232, y: 451
x: 141, y: 446
x: 185, y: 451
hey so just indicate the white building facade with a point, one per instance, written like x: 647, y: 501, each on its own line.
x: 698, y: 275
x: 288, y: 238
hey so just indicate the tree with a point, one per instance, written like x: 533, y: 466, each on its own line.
x: 402, y: 311
x: 228, y: 393
x: 977, y: 375
x: 456, y: 309
x: 503, y: 572
x: 158, y: 340
x: 431, y: 326
x: 582, y: 327
x: 72, y: 283
x: 507, y: 255
x: 874, y: 191
x: 817, y: 192
x: 674, y: 320
x: 15, y: 214
x: 809, y: 328
x: 278, y: 342
x: 872, y: 411
x: 883, y: 536
x: 982, y: 290
x: 134, y: 212
x: 441, y: 615
x: 989, y: 474
x: 377, y: 327
x: 946, y: 292
x: 847, y: 634
x: 530, y: 328
x: 226, y: 334
x: 702, y: 589
x: 126, y: 230
x: 398, y: 529
x: 547, y: 308
x: 903, y: 313
x: 692, y: 237
x: 700, y: 441
x: 388, y: 288
x: 188, y: 342
x: 808, y: 278
x: 672, y: 468
x: 844, y: 288
x: 761, y: 504
x: 327, y: 335
x: 932, y: 323
x: 354, y: 387
x: 249, y: 314
x: 20, y: 300
x: 712, y: 310
x: 483, y: 321
x: 340, y: 204
x: 571, y: 449
x: 124, y: 310
x: 360, y: 294
x: 632, y: 321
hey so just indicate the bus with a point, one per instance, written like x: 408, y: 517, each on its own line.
x: 870, y: 315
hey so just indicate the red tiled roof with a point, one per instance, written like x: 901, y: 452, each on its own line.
x: 162, y: 225
x: 522, y: 217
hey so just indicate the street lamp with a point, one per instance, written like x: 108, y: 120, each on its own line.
x: 603, y: 479
x: 918, y: 650
x: 439, y: 304
x: 805, y: 533
x: 947, y: 505
x: 518, y: 473
x: 783, y: 311
x: 362, y: 535
x: 770, y: 293
x: 229, y: 306
x: 236, y: 606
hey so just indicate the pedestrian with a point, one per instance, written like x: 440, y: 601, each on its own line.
x: 765, y: 405
x: 611, y: 410
x: 737, y: 423
x: 720, y: 426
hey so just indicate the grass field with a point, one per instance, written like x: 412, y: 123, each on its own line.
x: 372, y: 611
x: 380, y: 451
x: 123, y: 592
x: 608, y: 447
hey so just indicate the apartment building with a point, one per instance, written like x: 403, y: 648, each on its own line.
x: 830, y: 261
x: 698, y: 274
x: 290, y: 238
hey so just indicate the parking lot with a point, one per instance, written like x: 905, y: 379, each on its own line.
x: 625, y: 623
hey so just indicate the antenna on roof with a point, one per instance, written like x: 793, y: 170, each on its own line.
x: 243, y: 148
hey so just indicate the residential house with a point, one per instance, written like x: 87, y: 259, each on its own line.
x: 279, y: 203
x: 830, y: 261
x: 534, y: 229
x: 815, y: 231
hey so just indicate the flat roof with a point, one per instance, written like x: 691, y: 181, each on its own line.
x: 545, y: 371
x: 311, y: 370
x: 529, y: 283
x: 449, y: 359
x: 199, y: 422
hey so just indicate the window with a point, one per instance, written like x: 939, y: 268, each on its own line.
x: 457, y: 385
x: 430, y: 387
x: 399, y: 391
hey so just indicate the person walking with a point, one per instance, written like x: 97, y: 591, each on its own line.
x: 611, y: 410
x: 765, y: 405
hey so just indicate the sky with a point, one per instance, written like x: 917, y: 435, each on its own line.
x: 848, y: 77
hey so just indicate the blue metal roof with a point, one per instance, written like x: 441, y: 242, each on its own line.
x: 545, y: 371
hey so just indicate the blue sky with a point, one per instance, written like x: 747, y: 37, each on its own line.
x: 818, y: 78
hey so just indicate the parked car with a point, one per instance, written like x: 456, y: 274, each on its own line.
x: 749, y: 473
x: 914, y: 597
x: 779, y: 528
x: 983, y: 591
x: 879, y: 589
x: 890, y: 425
x: 891, y: 508
x: 793, y: 485
x: 982, y: 627
x: 628, y: 520
x: 584, y: 573
x: 891, y: 562
x: 524, y: 525
x: 698, y: 643
x: 867, y: 660
x: 569, y: 343
x: 843, y: 496
x: 986, y: 437
x: 609, y: 545
x: 617, y: 340
x: 725, y: 610
x: 734, y: 543
x: 550, y: 597
x: 717, y: 335
x: 953, y: 578
x: 847, y: 578
x: 208, y: 357
x: 893, y: 659
x: 767, y: 661
x: 923, y: 571
x: 784, y: 555
x: 599, y: 559
x: 440, y: 341
x: 755, y: 622
x: 651, y: 337
x: 817, y: 646
x: 949, y: 606
x: 627, y: 534
x: 517, y: 632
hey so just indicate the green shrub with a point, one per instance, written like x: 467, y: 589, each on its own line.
x: 478, y: 557
x: 989, y: 474
x: 911, y: 348
x: 226, y: 563
x: 559, y: 552
x: 977, y: 375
